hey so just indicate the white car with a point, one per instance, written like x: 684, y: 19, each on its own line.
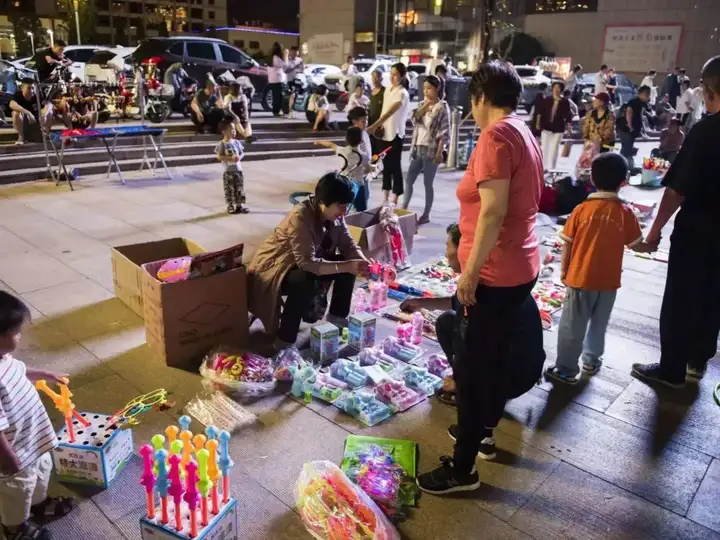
x: 365, y: 68
x: 316, y: 73
x: 78, y: 55
x: 531, y: 77
x: 417, y: 69
x: 106, y: 64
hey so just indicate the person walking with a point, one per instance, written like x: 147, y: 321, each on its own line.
x: 601, y: 79
x: 375, y: 107
x: 671, y: 87
x: 690, y: 313
x: 500, y: 260
x: 571, y: 83
x: 393, y: 120
x: 555, y: 118
x: 649, y: 80
x: 430, y: 138
x: 599, y: 125
x: 277, y: 78
x: 630, y: 125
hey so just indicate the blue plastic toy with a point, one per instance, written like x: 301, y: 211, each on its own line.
x: 350, y: 372
x: 421, y: 379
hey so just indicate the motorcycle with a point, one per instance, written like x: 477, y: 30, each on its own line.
x: 303, y: 91
x: 159, y: 95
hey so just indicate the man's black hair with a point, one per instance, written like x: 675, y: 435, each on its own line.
x: 294, y: 48
x: 59, y: 43
x: 26, y: 80
x: 321, y: 90
x: 334, y: 188
x: 224, y: 124
x: 604, y: 66
x: 560, y: 84
x: 498, y: 82
x: 609, y: 171
x: 542, y: 86
x: 353, y: 136
x: 711, y: 74
x: 13, y: 313
x: 652, y: 72
x: 567, y: 93
x: 682, y: 70
x: 577, y: 68
x: 453, y: 231
x: 357, y: 113
x: 644, y: 89
x: 441, y: 68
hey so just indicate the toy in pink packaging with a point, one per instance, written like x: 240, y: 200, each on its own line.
x: 404, y: 332
x: 174, y: 270
x: 439, y: 366
x: 397, y: 251
x: 359, y: 302
x: 417, y: 328
x: 398, y: 395
x: 286, y: 359
x: 244, y: 374
x: 376, y: 292
x: 400, y: 350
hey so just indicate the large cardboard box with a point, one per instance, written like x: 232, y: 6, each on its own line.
x: 184, y: 320
x: 128, y: 260
x: 366, y: 230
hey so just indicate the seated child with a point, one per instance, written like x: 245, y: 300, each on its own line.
x: 318, y: 109
x: 357, y: 163
x: 358, y: 97
x: 236, y: 103
x: 595, y: 237
x: 26, y: 435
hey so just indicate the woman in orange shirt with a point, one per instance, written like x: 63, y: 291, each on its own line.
x: 500, y: 259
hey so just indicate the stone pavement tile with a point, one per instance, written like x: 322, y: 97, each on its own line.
x: 11, y: 244
x: 638, y: 327
x: 68, y: 297
x: 606, y: 447
x: 574, y: 504
x: 141, y: 237
x: 84, y: 522
x: 640, y: 265
x: 210, y: 239
x: 116, y: 344
x: 149, y: 217
x: 689, y: 417
x: 33, y: 271
x: 98, y: 268
x: 274, y: 450
x: 125, y: 493
x: 147, y: 372
x: 704, y: 508
x: 633, y: 300
x: 647, y: 283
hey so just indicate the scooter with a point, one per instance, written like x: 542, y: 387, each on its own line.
x: 184, y: 96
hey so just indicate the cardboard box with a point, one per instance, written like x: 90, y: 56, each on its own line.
x: 183, y: 320
x: 324, y: 343
x: 361, y: 330
x: 128, y: 260
x: 366, y: 230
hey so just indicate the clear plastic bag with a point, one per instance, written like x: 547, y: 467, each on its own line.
x: 214, y: 408
x: 333, y: 508
x: 286, y: 359
x: 242, y: 374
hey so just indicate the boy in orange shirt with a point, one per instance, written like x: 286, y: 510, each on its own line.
x: 595, y: 237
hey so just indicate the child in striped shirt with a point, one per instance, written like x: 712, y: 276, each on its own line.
x: 26, y: 435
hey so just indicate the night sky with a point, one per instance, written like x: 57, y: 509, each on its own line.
x: 282, y: 14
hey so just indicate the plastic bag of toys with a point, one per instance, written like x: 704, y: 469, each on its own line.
x: 286, y: 359
x: 333, y: 508
x: 243, y: 374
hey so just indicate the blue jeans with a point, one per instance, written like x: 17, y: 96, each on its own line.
x: 425, y: 163
x: 582, y: 329
x: 627, y: 146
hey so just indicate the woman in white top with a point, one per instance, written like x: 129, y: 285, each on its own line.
x: 649, y: 80
x: 236, y: 102
x: 393, y: 120
x: 431, y: 136
x: 277, y: 77
x: 684, y: 103
x: 295, y: 66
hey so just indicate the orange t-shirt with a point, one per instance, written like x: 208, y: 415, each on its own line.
x: 599, y: 229
x: 506, y: 150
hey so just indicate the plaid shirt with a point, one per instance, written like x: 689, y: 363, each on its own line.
x: 439, y: 127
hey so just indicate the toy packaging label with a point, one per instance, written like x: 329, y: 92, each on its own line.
x: 220, y: 527
x: 361, y: 329
x: 98, y: 454
x: 324, y: 342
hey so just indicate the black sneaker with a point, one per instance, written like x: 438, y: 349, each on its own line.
x: 486, y: 451
x: 27, y: 531
x: 653, y: 373
x: 445, y: 480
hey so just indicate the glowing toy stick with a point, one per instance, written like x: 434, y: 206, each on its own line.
x: 225, y: 463
x: 176, y: 489
x: 203, y: 484
x: 213, y: 473
x: 162, y: 483
x: 148, y: 478
x: 192, y: 496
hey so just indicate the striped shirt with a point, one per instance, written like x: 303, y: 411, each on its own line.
x: 23, y: 418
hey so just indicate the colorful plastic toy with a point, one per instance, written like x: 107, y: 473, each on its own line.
x: 361, y: 330
x: 368, y: 357
x: 438, y: 365
x: 328, y: 388
x: 421, y: 379
x: 174, y: 270
x: 225, y: 463
x: 128, y: 414
x: 162, y: 483
x: 64, y: 405
x: 364, y: 406
x: 324, y: 343
x: 398, y: 395
x: 148, y: 478
x: 176, y: 489
x: 400, y: 350
x: 191, y: 497
x: 303, y: 381
x: 349, y: 372
x: 416, y: 328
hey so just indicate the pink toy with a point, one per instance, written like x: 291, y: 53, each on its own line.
x: 417, y: 327
x: 404, y: 332
x: 396, y: 246
x: 176, y: 489
x: 397, y: 394
x: 174, y: 270
x: 376, y: 291
x: 359, y: 301
x: 148, y: 478
x: 438, y: 365
x: 192, y: 497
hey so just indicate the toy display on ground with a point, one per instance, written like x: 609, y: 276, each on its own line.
x: 333, y: 508
x: 244, y: 374
x: 214, y: 408
x: 385, y: 469
x: 324, y: 343
x: 190, y: 477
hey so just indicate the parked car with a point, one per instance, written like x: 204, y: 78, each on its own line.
x: 78, y: 55
x: 531, y: 77
x: 201, y: 56
x: 106, y: 65
x: 416, y: 70
x: 626, y: 89
x: 316, y: 73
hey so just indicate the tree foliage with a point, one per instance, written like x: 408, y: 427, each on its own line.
x: 521, y: 47
x: 86, y: 17
x: 22, y: 24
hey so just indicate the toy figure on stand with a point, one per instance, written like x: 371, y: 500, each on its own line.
x: 390, y: 223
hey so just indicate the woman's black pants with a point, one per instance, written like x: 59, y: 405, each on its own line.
x: 279, y: 103
x: 392, y: 167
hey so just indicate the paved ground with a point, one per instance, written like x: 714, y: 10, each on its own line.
x: 610, y: 459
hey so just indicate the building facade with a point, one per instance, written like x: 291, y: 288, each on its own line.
x: 42, y: 12
x: 256, y: 40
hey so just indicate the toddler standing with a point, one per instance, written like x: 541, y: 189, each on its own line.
x: 230, y: 152
x: 26, y: 435
x: 595, y: 238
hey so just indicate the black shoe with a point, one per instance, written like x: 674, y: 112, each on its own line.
x: 694, y: 374
x: 486, y: 450
x: 445, y: 479
x: 230, y: 209
x: 653, y: 373
x: 27, y: 531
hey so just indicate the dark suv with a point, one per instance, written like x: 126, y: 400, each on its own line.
x: 201, y: 56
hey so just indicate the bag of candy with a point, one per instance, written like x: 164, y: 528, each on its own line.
x: 286, y: 359
x: 333, y: 508
x: 242, y: 374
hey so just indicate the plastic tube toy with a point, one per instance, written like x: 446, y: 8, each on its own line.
x: 64, y: 405
x: 192, y: 496
x: 204, y: 483
x: 148, y: 478
x: 162, y: 483
x: 211, y: 432
x: 199, y: 442
x: 176, y: 489
x: 213, y: 473
x: 186, y: 438
x: 184, y: 422
x: 171, y: 432
x: 158, y: 443
x: 225, y: 463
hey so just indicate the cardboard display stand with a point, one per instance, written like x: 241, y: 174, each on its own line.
x: 365, y: 228
x: 128, y: 260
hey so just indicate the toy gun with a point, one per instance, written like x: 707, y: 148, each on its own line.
x: 64, y: 405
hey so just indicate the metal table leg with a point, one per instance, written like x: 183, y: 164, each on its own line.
x: 61, y: 163
x: 158, y: 154
x: 113, y: 159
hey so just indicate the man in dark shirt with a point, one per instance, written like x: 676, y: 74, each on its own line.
x: 632, y: 126
x: 206, y: 107
x: 690, y: 315
x: 671, y: 87
x: 47, y: 59
x: 23, y: 105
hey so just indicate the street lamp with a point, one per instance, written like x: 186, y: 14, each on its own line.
x: 77, y: 21
x: 32, y: 41
x: 52, y: 37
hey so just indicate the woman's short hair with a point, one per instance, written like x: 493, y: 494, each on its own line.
x: 433, y: 81
x: 498, y: 82
x: 560, y: 84
x: 334, y: 188
x: 356, y: 113
x: 277, y: 49
x: 401, y: 68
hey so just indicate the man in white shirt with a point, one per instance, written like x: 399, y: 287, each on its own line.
x: 684, y: 104
x: 601, y: 79
x: 393, y: 121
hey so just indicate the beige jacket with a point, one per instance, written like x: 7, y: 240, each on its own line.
x: 296, y: 242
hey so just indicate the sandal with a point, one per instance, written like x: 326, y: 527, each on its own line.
x: 52, y: 507
x: 26, y: 531
x: 448, y: 398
